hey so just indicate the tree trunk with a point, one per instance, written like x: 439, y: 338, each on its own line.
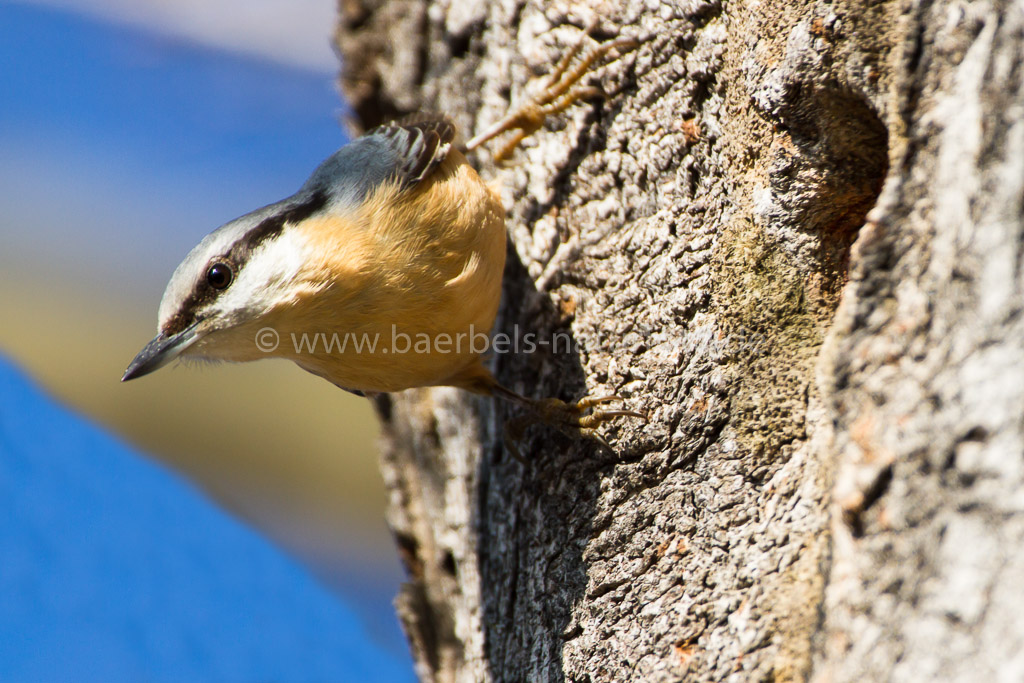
x: 829, y: 485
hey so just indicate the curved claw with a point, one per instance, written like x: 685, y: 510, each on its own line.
x: 589, y: 402
x: 602, y: 416
x: 596, y: 436
x: 560, y: 92
x: 566, y: 417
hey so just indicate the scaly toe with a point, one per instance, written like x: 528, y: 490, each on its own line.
x: 589, y: 402
x: 599, y: 417
x: 582, y: 418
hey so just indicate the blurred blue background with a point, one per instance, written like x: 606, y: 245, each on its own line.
x: 128, y: 130
x: 114, y: 570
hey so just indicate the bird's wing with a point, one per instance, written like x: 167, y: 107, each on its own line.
x: 421, y: 144
x: 405, y: 152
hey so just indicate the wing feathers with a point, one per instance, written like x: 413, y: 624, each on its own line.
x: 406, y: 152
x: 421, y: 145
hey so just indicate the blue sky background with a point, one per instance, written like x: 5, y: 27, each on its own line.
x: 126, y: 134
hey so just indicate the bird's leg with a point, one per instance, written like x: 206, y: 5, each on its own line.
x: 560, y: 91
x: 580, y: 418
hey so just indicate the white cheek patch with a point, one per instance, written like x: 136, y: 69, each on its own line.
x: 268, y: 278
x: 183, y: 281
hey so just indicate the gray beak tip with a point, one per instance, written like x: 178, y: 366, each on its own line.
x: 152, y: 356
x: 131, y: 373
x: 159, y: 352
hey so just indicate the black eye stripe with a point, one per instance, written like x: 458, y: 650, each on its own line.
x: 239, y: 254
x: 272, y: 226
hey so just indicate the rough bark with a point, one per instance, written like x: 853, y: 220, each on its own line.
x: 830, y: 482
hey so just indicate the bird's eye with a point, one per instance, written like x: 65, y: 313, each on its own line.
x: 219, y: 275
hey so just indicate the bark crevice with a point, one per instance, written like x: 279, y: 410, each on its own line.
x: 792, y: 235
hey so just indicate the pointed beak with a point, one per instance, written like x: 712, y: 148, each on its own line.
x: 161, y: 351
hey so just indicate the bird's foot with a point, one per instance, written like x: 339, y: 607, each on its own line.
x: 582, y: 418
x: 559, y: 92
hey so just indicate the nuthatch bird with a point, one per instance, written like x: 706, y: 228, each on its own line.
x: 395, y: 236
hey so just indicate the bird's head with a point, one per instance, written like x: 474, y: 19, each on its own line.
x: 232, y: 279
